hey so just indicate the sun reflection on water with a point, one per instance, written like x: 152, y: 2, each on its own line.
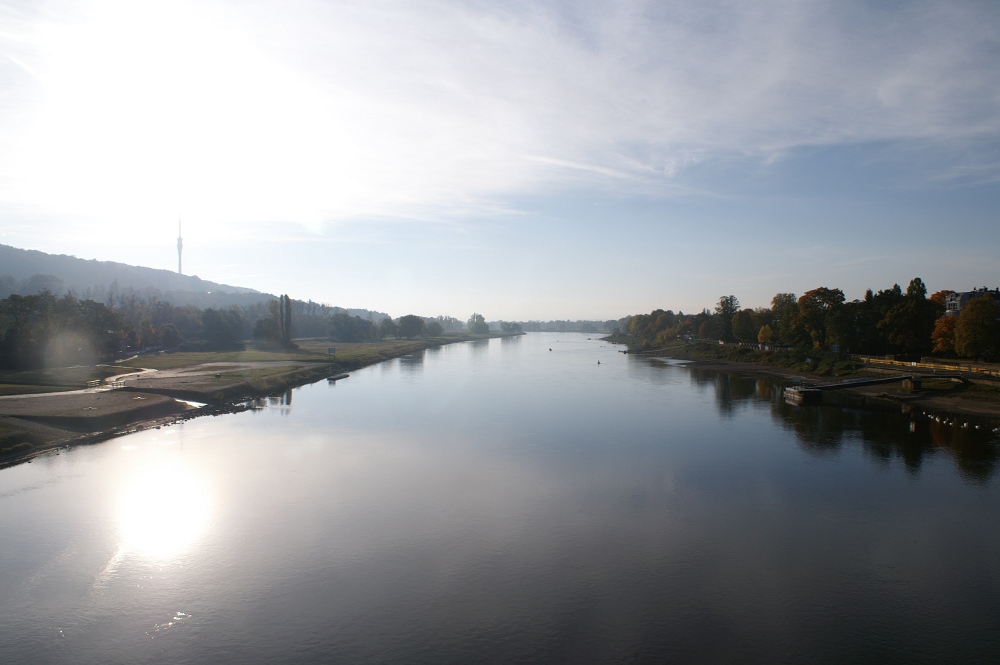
x: 163, y: 511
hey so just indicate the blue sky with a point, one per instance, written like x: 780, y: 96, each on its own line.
x: 525, y: 160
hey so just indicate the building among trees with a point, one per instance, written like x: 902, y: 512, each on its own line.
x: 954, y: 302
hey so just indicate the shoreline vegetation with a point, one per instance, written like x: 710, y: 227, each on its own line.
x: 45, y: 410
x: 973, y: 396
x: 820, y: 337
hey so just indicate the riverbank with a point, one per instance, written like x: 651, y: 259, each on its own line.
x: 157, y: 390
x: 945, y: 397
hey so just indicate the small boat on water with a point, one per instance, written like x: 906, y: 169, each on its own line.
x: 337, y: 377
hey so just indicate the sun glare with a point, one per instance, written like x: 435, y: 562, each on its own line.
x: 163, y: 512
x: 149, y: 112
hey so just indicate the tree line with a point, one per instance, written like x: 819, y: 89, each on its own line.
x: 45, y: 330
x: 888, y: 322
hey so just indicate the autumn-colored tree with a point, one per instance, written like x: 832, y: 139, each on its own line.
x: 943, y: 336
x: 816, y: 307
x: 940, y: 296
x: 977, y: 332
x: 765, y: 335
x: 763, y: 316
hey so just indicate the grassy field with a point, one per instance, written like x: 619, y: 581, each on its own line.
x: 179, y: 359
x: 348, y: 354
x: 22, y: 389
x: 17, y: 382
x: 359, y: 354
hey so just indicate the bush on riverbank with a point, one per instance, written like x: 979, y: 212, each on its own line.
x: 801, y: 358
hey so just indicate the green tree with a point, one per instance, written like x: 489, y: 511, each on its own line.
x: 147, y: 335
x: 277, y: 326
x: 977, y: 331
x: 29, y: 323
x: 267, y: 328
x: 478, y: 325
x: 222, y: 327
x: 725, y: 311
x: 411, y: 326
x: 434, y: 329
x: 909, y: 324
x: 285, y: 318
x: 707, y: 329
x: 347, y: 328
x: 102, y: 326
x: 785, y: 309
x: 745, y: 326
x: 169, y: 336
x: 388, y: 328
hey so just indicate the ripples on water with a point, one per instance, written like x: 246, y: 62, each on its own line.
x: 500, y: 502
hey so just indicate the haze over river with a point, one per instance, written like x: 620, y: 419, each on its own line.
x: 496, y: 501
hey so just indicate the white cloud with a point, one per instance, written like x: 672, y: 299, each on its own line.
x: 317, y: 111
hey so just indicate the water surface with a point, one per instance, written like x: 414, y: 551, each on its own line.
x: 499, y: 501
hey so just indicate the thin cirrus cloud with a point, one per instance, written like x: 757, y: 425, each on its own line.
x: 321, y: 111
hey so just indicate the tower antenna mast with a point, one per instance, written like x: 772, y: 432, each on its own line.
x: 180, y: 246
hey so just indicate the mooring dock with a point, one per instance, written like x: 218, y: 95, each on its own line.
x: 799, y: 395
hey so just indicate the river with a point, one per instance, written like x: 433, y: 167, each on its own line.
x: 511, y: 500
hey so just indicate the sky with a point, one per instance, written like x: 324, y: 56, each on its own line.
x: 542, y: 160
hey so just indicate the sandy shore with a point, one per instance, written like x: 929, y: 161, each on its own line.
x: 32, y: 424
x: 36, y: 423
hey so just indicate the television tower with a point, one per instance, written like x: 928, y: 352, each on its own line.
x: 180, y: 246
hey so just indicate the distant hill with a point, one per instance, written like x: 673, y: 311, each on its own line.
x: 26, y: 271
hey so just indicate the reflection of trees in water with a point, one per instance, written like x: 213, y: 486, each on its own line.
x: 976, y: 452
x: 733, y: 391
x: 285, y: 399
x: 819, y: 430
x: 662, y: 373
x: 479, y: 347
x: 886, y: 433
x: 412, y: 362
